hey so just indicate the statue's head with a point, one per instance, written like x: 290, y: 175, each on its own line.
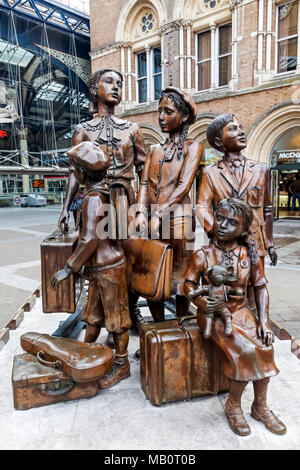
x: 176, y: 109
x: 226, y: 134
x: 218, y: 275
x: 106, y: 85
x: 232, y: 219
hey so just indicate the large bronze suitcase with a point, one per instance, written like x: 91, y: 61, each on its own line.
x: 36, y: 385
x: 55, y: 251
x: 177, y: 363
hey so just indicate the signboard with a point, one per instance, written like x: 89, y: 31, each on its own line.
x: 38, y: 184
x: 287, y: 156
x: 17, y: 201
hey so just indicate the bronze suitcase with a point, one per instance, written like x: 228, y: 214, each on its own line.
x: 149, y: 268
x: 55, y: 251
x: 177, y: 363
x: 37, y: 385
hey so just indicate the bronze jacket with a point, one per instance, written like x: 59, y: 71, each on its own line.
x: 93, y: 248
x: 219, y: 183
x: 168, y: 181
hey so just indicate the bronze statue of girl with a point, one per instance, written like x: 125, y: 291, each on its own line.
x: 248, y: 350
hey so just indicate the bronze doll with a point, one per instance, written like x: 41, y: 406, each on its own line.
x: 248, y: 350
x: 167, y: 178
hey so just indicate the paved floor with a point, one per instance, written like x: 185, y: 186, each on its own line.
x: 121, y: 418
x: 21, y: 232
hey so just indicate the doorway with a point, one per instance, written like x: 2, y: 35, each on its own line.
x: 282, y: 176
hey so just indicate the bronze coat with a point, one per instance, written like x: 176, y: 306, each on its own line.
x: 247, y: 358
x: 219, y: 183
x: 167, y: 182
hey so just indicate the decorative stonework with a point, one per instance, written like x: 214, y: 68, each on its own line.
x: 146, y: 23
x: 210, y: 5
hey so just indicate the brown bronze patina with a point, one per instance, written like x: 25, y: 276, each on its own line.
x: 124, y: 143
x: 248, y: 349
x: 236, y: 176
x: 103, y: 261
x: 168, y: 174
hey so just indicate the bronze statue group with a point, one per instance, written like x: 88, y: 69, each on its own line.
x: 225, y: 279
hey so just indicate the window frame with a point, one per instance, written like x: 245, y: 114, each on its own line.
x: 218, y: 56
x: 214, y: 57
x: 277, y: 41
x: 198, y: 62
x: 149, y: 76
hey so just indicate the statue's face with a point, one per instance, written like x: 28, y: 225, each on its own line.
x: 233, y: 137
x: 110, y: 88
x: 228, y: 227
x: 218, y: 275
x: 169, y: 117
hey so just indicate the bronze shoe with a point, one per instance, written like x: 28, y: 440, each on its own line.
x: 119, y: 372
x: 271, y: 421
x: 237, y: 421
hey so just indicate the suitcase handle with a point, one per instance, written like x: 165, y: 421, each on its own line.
x: 189, y: 317
x: 55, y: 364
x: 54, y: 393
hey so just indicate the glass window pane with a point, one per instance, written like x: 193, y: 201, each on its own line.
x: 204, y: 45
x: 142, y: 87
x: 157, y: 86
x: 142, y: 64
x: 287, y: 19
x: 224, y: 70
x: 225, y: 39
x: 287, y: 55
x: 204, y: 71
x: 157, y: 60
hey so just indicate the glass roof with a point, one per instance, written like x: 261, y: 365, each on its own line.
x: 14, y: 54
x: 80, y: 5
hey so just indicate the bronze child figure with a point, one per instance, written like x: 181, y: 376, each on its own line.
x: 248, y: 350
x: 167, y: 178
x: 103, y: 261
x: 124, y: 142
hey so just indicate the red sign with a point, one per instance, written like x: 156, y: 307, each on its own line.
x: 3, y: 134
x: 38, y: 184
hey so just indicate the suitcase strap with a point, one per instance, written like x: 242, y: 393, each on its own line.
x: 55, y: 364
x: 189, y: 376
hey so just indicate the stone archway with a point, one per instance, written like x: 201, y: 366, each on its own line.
x: 130, y: 11
x: 198, y: 130
x: 269, y: 128
x: 152, y: 135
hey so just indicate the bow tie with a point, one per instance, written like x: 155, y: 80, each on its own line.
x: 236, y: 162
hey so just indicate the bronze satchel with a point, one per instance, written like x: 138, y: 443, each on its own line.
x: 149, y: 268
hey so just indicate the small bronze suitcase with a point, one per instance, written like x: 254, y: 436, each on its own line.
x: 55, y: 251
x: 177, y: 363
x: 37, y: 385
